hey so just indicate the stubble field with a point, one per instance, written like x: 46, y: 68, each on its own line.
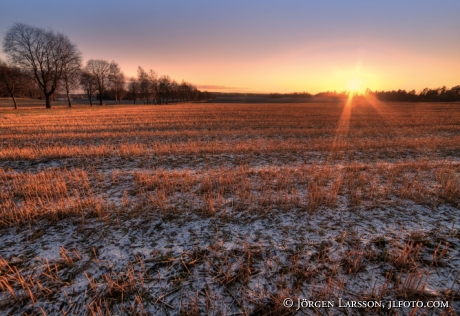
x: 229, y: 209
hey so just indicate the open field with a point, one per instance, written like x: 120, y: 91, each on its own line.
x: 228, y: 209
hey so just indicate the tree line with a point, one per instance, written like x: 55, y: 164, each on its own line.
x: 42, y: 63
x: 426, y: 95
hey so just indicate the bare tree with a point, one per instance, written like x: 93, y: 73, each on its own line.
x: 89, y: 83
x: 185, y: 91
x: 133, y: 88
x: 153, y: 85
x: 148, y: 85
x: 174, y: 91
x: 118, y: 86
x: 11, y: 80
x: 44, y: 52
x: 144, y: 84
x: 71, y: 73
x: 117, y: 81
x: 101, y: 70
x: 164, y: 88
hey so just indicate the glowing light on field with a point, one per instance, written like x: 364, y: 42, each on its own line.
x: 354, y: 87
x: 382, y: 109
x: 343, y: 126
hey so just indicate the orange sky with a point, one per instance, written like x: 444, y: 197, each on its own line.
x: 268, y: 46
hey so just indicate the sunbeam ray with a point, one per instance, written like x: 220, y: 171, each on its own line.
x: 343, y: 127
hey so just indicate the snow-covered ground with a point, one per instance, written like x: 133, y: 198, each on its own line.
x: 232, y: 231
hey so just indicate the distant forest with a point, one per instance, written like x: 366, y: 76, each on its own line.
x: 426, y: 95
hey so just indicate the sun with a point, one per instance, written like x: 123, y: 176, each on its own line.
x: 354, y: 85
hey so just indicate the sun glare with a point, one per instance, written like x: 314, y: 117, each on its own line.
x: 354, y: 85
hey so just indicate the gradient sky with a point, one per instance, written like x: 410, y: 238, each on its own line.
x: 263, y: 46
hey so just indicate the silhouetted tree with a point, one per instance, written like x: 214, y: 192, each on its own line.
x: 164, y: 83
x: 153, y: 85
x: 133, y: 88
x: 71, y: 74
x: 117, y: 81
x: 101, y: 70
x: 45, y: 53
x: 185, y: 91
x: 144, y: 84
x: 174, y: 91
x: 89, y: 84
x: 11, y: 80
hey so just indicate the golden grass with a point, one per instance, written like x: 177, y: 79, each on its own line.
x: 217, y: 129
x: 54, y: 193
x: 366, y: 164
x: 220, y: 161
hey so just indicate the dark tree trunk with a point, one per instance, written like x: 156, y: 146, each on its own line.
x: 68, y: 99
x: 14, y: 101
x: 100, y: 98
x: 89, y: 93
x: 48, y: 100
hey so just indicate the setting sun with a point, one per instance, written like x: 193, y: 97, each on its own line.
x: 354, y: 85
